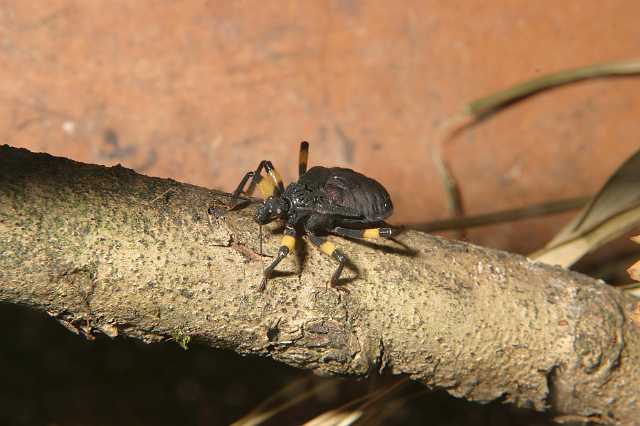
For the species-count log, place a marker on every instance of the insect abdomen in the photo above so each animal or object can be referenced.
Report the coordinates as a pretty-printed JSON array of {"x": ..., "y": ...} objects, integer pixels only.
[{"x": 359, "y": 193}]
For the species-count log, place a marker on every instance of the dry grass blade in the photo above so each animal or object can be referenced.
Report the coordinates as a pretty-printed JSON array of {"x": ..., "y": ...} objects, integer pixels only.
[
  {"x": 612, "y": 212},
  {"x": 335, "y": 418},
  {"x": 632, "y": 289},
  {"x": 347, "y": 414},
  {"x": 390, "y": 407},
  {"x": 634, "y": 272},
  {"x": 569, "y": 251},
  {"x": 446, "y": 133},
  {"x": 483, "y": 107},
  {"x": 292, "y": 394},
  {"x": 489, "y": 104},
  {"x": 548, "y": 208}
]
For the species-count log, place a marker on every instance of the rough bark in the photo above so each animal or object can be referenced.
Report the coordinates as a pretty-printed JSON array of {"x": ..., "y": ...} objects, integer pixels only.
[{"x": 108, "y": 250}]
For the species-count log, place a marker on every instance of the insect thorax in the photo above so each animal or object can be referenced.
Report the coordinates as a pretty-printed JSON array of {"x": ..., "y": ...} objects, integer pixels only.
[{"x": 299, "y": 196}]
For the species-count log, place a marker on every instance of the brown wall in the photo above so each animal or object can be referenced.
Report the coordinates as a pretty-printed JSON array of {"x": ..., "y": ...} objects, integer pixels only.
[{"x": 201, "y": 91}]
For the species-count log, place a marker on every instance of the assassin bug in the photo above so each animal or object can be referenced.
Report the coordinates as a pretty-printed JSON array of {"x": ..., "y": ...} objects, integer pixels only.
[{"x": 324, "y": 200}]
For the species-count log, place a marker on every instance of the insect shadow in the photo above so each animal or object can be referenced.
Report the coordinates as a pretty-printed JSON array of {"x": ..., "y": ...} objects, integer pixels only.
[
  {"x": 402, "y": 249},
  {"x": 302, "y": 253}
]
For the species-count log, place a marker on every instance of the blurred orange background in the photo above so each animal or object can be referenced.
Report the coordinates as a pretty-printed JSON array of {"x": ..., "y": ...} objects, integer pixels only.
[{"x": 202, "y": 91}]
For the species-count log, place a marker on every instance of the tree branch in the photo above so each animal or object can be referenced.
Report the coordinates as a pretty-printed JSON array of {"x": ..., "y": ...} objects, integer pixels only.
[{"x": 108, "y": 250}]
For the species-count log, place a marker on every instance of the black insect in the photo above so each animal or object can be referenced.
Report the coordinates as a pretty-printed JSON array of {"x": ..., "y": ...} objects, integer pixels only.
[{"x": 323, "y": 200}]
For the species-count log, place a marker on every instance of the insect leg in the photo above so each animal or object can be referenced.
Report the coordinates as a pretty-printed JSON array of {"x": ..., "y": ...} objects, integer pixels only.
[
  {"x": 287, "y": 245},
  {"x": 240, "y": 188},
  {"x": 328, "y": 248},
  {"x": 364, "y": 233},
  {"x": 303, "y": 158},
  {"x": 275, "y": 176},
  {"x": 267, "y": 187}
]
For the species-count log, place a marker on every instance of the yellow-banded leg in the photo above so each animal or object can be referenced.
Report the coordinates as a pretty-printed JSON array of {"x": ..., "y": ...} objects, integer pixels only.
[
  {"x": 268, "y": 188},
  {"x": 287, "y": 245},
  {"x": 303, "y": 158},
  {"x": 275, "y": 176},
  {"x": 370, "y": 233},
  {"x": 328, "y": 248}
]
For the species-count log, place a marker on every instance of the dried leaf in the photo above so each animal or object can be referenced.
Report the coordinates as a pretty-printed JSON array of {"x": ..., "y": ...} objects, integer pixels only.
[
  {"x": 634, "y": 271},
  {"x": 614, "y": 211}
]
